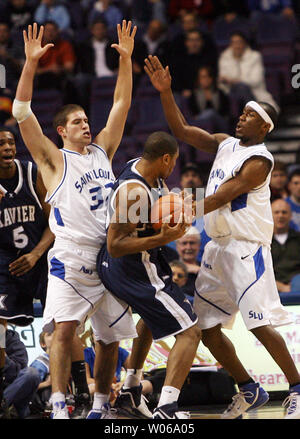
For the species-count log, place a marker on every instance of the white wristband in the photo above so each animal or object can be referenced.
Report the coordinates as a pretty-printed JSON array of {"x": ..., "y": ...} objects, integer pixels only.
[{"x": 21, "y": 110}]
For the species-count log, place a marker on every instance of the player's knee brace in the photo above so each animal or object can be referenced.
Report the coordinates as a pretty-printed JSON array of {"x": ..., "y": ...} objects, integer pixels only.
[
  {"x": 2, "y": 336},
  {"x": 21, "y": 110}
]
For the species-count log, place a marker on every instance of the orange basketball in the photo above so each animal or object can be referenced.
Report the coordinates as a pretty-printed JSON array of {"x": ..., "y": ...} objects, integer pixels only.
[{"x": 171, "y": 204}]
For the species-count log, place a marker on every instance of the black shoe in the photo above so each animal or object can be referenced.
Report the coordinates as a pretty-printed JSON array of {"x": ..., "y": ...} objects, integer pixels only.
[
  {"x": 82, "y": 406},
  {"x": 169, "y": 411},
  {"x": 130, "y": 402},
  {"x": 7, "y": 412}
]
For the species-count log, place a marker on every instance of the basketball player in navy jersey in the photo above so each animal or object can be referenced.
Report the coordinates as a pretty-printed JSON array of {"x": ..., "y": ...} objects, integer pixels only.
[
  {"x": 237, "y": 271},
  {"x": 25, "y": 238},
  {"x": 78, "y": 179},
  {"x": 132, "y": 265}
]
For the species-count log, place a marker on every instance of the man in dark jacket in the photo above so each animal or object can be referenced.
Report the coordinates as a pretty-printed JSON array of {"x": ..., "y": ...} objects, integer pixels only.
[{"x": 15, "y": 394}]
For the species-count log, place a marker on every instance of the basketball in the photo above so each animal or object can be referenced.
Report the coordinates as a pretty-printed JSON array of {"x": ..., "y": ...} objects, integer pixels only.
[{"x": 171, "y": 204}]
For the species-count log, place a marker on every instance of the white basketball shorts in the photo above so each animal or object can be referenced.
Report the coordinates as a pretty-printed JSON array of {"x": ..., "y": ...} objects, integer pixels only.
[
  {"x": 76, "y": 293},
  {"x": 237, "y": 276}
]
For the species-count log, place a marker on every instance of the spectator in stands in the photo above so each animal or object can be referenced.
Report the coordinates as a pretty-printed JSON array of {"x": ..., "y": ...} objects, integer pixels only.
[
  {"x": 189, "y": 21},
  {"x": 191, "y": 178},
  {"x": 180, "y": 277},
  {"x": 51, "y": 10},
  {"x": 143, "y": 11},
  {"x": 89, "y": 356},
  {"x": 21, "y": 382},
  {"x": 284, "y": 7},
  {"x": 95, "y": 56},
  {"x": 19, "y": 14},
  {"x": 184, "y": 69},
  {"x": 279, "y": 180},
  {"x": 153, "y": 42},
  {"x": 95, "y": 59},
  {"x": 188, "y": 247},
  {"x": 58, "y": 62},
  {"x": 294, "y": 198},
  {"x": 6, "y": 101},
  {"x": 285, "y": 246},
  {"x": 204, "y": 8},
  {"x": 104, "y": 9},
  {"x": 241, "y": 73},
  {"x": 209, "y": 101},
  {"x": 11, "y": 57}
]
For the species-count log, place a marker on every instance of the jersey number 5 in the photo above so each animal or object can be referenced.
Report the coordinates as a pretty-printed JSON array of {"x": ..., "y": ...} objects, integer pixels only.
[{"x": 20, "y": 239}]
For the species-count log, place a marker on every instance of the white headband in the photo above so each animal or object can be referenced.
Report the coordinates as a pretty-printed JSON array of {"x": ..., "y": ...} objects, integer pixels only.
[{"x": 261, "y": 112}]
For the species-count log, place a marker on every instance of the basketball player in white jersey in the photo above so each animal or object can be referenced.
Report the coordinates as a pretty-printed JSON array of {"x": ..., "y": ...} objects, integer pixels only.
[
  {"x": 78, "y": 179},
  {"x": 237, "y": 272}
]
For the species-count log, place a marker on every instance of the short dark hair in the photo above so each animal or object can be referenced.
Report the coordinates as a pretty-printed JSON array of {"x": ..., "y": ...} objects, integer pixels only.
[
  {"x": 158, "y": 144},
  {"x": 61, "y": 117},
  {"x": 270, "y": 110},
  {"x": 280, "y": 166},
  {"x": 4, "y": 129},
  {"x": 180, "y": 264},
  {"x": 240, "y": 34},
  {"x": 295, "y": 173}
]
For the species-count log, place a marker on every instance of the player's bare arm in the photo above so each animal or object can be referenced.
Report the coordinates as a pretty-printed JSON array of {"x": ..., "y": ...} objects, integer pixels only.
[
  {"x": 26, "y": 262},
  {"x": 110, "y": 137},
  {"x": 44, "y": 152},
  {"x": 161, "y": 80},
  {"x": 120, "y": 241},
  {"x": 252, "y": 174}
]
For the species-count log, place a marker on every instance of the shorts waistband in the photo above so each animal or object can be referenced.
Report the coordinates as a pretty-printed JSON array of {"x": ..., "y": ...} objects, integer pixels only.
[{"x": 63, "y": 243}]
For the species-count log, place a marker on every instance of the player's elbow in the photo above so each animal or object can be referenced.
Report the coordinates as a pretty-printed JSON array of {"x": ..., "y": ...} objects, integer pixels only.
[{"x": 114, "y": 248}]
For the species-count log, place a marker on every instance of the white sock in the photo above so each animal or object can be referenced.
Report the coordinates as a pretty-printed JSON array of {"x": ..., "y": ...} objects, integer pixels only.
[
  {"x": 168, "y": 395},
  {"x": 133, "y": 378},
  {"x": 100, "y": 399},
  {"x": 57, "y": 397}
]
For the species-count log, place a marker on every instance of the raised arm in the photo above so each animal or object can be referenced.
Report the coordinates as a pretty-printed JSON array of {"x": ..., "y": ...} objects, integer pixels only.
[
  {"x": 110, "y": 137},
  {"x": 44, "y": 152},
  {"x": 161, "y": 80}
]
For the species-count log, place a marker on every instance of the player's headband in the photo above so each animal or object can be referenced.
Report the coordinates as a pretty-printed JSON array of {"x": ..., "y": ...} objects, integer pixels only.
[{"x": 256, "y": 107}]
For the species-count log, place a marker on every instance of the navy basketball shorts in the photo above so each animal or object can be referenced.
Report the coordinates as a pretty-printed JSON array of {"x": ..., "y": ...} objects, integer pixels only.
[{"x": 160, "y": 303}]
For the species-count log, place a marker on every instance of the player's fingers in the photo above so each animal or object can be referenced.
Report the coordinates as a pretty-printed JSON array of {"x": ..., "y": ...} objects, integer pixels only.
[
  {"x": 149, "y": 65},
  {"x": 124, "y": 27},
  {"x": 167, "y": 70},
  {"x": 128, "y": 27},
  {"x": 157, "y": 63},
  {"x": 147, "y": 71},
  {"x": 41, "y": 33},
  {"x": 133, "y": 33},
  {"x": 119, "y": 31},
  {"x": 34, "y": 31},
  {"x": 30, "y": 32},
  {"x": 25, "y": 36}
]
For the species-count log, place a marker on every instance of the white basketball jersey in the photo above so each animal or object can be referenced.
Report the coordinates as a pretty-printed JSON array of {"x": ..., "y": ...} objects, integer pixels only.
[
  {"x": 249, "y": 216},
  {"x": 79, "y": 203}
]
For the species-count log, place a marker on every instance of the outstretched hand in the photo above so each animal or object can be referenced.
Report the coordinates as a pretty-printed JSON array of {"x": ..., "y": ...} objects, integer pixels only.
[
  {"x": 159, "y": 76},
  {"x": 33, "y": 43},
  {"x": 126, "y": 40}
]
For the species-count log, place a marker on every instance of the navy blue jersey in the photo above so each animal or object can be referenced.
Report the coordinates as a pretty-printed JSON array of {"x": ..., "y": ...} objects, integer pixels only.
[
  {"x": 22, "y": 223},
  {"x": 22, "y": 220},
  {"x": 144, "y": 280},
  {"x": 130, "y": 263}
]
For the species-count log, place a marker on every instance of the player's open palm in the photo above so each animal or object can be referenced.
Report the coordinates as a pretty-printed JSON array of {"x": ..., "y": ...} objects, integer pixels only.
[
  {"x": 33, "y": 43},
  {"x": 126, "y": 39},
  {"x": 159, "y": 76}
]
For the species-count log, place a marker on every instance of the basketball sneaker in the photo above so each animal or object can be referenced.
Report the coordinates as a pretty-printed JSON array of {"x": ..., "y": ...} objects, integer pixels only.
[
  {"x": 169, "y": 411},
  {"x": 106, "y": 412},
  {"x": 293, "y": 400},
  {"x": 131, "y": 402},
  {"x": 251, "y": 396},
  {"x": 60, "y": 411}
]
